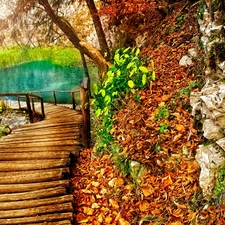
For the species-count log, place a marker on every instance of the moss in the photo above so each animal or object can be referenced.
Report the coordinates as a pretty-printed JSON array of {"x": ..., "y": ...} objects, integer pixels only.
[
  {"x": 217, "y": 53},
  {"x": 220, "y": 51}
]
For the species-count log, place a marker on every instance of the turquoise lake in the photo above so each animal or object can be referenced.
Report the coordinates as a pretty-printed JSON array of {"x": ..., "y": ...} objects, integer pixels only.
[{"x": 41, "y": 76}]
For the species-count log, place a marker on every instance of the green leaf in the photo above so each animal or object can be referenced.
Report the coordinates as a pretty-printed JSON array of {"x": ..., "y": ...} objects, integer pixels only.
[
  {"x": 143, "y": 69},
  {"x": 115, "y": 93},
  {"x": 102, "y": 92},
  {"x": 117, "y": 58},
  {"x": 137, "y": 52},
  {"x": 131, "y": 84},
  {"x": 153, "y": 64},
  {"x": 130, "y": 65},
  {"x": 107, "y": 99},
  {"x": 95, "y": 89},
  {"x": 126, "y": 50},
  {"x": 98, "y": 112},
  {"x": 144, "y": 79},
  {"x": 93, "y": 101},
  {"x": 132, "y": 72},
  {"x": 153, "y": 75},
  {"x": 118, "y": 73}
]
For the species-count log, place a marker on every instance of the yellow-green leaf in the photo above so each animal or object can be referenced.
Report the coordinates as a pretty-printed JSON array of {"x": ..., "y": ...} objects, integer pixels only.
[
  {"x": 153, "y": 75},
  {"x": 102, "y": 91},
  {"x": 95, "y": 89},
  {"x": 131, "y": 84},
  {"x": 137, "y": 52},
  {"x": 130, "y": 65},
  {"x": 144, "y": 79},
  {"x": 98, "y": 112},
  {"x": 117, "y": 58},
  {"x": 153, "y": 64},
  {"x": 143, "y": 69},
  {"x": 107, "y": 99}
]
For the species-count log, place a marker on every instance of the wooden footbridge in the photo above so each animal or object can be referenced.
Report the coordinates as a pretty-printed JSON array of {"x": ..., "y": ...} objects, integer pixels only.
[{"x": 35, "y": 168}]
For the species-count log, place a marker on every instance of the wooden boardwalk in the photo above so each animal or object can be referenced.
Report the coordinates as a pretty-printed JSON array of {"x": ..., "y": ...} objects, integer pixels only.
[{"x": 34, "y": 169}]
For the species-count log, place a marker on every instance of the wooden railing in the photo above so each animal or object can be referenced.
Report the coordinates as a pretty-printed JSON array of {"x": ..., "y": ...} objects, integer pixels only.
[
  {"x": 29, "y": 99},
  {"x": 84, "y": 97},
  {"x": 54, "y": 94}
]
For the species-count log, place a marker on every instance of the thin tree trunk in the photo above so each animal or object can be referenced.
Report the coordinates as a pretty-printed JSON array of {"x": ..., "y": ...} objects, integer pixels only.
[
  {"x": 99, "y": 30},
  {"x": 84, "y": 47}
]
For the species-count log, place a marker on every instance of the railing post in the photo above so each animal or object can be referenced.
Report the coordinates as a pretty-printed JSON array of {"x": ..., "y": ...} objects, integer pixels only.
[
  {"x": 73, "y": 100},
  {"x": 29, "y": 108},
  {"x": 54, "y": 95},
  {"x": 18, "y": 99},
  {"x": 84, "y": 96},
  {"x": 42, "y": 108}
]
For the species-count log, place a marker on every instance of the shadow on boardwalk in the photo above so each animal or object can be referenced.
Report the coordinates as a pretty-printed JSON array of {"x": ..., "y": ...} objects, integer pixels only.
[{"x": 34, "y": 169}]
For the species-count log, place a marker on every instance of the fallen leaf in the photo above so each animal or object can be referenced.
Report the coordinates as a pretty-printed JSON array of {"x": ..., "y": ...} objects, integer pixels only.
[
  {"x": 180, "y": 128},
  {"x": 108, "y": 219},
  {"x": 88, "y": 211},
  {"x": 144, "y": 205},
  {"x": 123, "y": 222},
  {"x": 83, "y": 221},
  {"x": 114, "y": 203},
  {"x": 147, "y": 190}
]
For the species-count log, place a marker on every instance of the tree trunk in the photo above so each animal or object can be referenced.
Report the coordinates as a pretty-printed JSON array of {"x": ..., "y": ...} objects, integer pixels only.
[
  {"x": 98, "y": 27},
  {"x": 68, "y": 30}
]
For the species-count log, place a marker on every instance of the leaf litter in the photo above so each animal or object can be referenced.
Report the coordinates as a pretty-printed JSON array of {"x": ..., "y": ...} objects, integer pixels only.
[{"x": 160, "y": 133}]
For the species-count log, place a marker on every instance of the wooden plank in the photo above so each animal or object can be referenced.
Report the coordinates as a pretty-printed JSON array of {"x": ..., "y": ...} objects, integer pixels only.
[
  {"x": 17, "y": 188},
  {"x": 12, "y": 205},
  {"x": 50, "y": 124},
  {"x": 40, "y": 218},
  {"x": 37, "y": 194},
  {"x": 40, "y": 144},
  {"x": 62, "y": 222},
  {"x": 30, "y": 148},
  {"x": 32, "y": 176},
  {"x": 32, "y": 139},
  {"x": 27, "y": 154},
  {"x": 33, "y": 164},
  {"x": 56, "y": 208},
  {"x": 44, "y": 131}
]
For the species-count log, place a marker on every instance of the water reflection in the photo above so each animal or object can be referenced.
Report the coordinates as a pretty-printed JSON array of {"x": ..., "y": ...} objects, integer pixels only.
[{"x": 40, "y": 76}]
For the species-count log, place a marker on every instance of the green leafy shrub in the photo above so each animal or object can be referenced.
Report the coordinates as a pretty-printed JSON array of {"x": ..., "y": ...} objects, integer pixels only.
[{"x": 124, "y": 77}]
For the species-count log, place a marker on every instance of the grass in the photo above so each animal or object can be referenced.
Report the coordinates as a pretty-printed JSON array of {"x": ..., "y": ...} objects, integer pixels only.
[{"x": 65, "y": 56}]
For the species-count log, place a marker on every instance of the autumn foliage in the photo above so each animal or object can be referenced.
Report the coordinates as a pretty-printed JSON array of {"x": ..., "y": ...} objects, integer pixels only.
[{"x": 154, "y": 128}]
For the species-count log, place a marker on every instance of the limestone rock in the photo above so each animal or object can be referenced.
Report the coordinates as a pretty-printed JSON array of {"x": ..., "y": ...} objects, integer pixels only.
[
  {"x": 192, "y": 53},
  {"x": 185, "y": 61},
  {"x": 221, "y": 143},
  {"x": 211, "y": 130},
  {"x": 208, "y": 157}
]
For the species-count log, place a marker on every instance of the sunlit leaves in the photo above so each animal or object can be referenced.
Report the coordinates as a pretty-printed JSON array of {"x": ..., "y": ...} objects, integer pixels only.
[
  {"x": 131, "y": 84},
  {"x": 144, "y": 79},
  {"x": 95, "y": 89},
  {"x": 143, "y": 69}
]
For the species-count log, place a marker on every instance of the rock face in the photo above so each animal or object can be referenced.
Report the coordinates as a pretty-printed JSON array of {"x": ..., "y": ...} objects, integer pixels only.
[{"x": 210, "y": 102}]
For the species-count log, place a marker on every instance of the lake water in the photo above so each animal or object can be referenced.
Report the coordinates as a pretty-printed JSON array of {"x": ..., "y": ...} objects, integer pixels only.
[{"x": 41, "y": 76}]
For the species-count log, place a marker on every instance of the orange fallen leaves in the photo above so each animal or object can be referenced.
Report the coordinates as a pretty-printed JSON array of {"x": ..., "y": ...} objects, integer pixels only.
[{"x": 169, "y": 191}]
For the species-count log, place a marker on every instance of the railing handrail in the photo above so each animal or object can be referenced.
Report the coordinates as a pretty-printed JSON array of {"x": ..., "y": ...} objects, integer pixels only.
[
  {"x": 66, "y": 91},
  {"x": 72, "y": 92},
  {"x": 11, "y": 94},
  {"x": 28, "y": 97}
]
